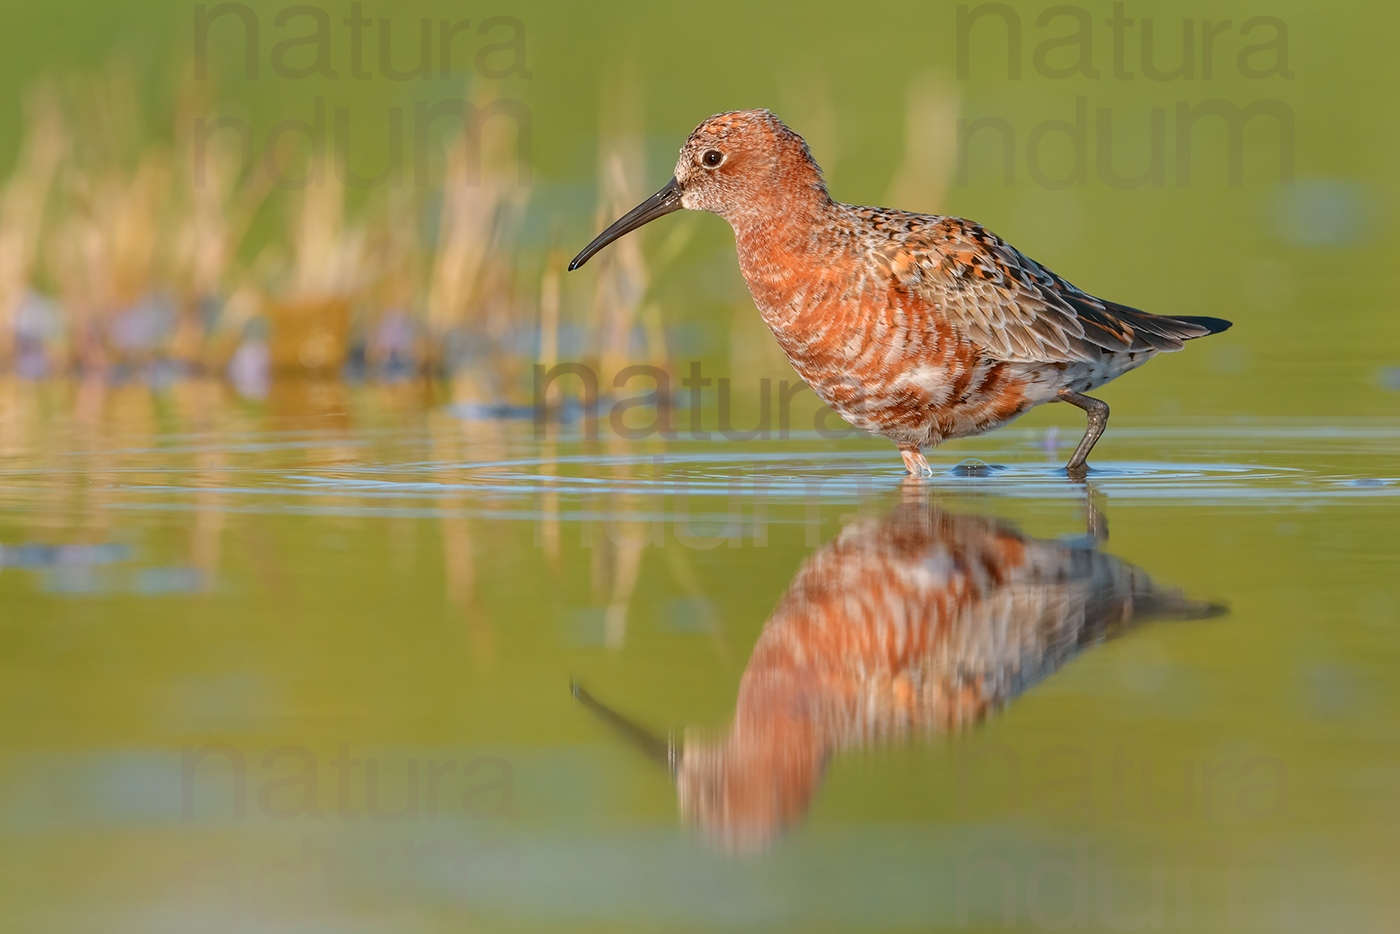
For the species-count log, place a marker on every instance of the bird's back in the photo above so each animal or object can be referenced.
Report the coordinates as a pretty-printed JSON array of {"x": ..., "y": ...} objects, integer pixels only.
[
  {"x": 925, "y": 327},
  {"x": 1010, "y": 305},
  {"x": 922, "y": 622},
  {"x": 928, "y": 621}
]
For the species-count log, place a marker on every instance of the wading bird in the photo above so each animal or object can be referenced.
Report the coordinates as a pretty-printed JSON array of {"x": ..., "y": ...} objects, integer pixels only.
[
  {"x": 919, "y": 623},
  {"x": 917, "y": 327}
]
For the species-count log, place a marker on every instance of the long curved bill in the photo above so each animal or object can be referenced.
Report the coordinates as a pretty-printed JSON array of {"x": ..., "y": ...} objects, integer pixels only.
[
  {"x": 652, "y": 746},
  {"x": 665, "y": 201}
]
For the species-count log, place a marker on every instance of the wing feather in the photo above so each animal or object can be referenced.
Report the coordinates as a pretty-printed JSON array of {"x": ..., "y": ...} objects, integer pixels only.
[{"x": 1012, "y": 306}]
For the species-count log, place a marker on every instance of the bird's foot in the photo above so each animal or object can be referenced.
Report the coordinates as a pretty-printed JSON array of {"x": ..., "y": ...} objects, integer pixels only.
[{"x": 914, "y": 462}]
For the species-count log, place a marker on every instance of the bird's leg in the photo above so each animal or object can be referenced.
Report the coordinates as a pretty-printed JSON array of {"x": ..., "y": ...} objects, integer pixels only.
[
  {"x": 1096, "y": 523},
  {"x": 1097, "y": 411},
  {"x": 914, "y": 462}
]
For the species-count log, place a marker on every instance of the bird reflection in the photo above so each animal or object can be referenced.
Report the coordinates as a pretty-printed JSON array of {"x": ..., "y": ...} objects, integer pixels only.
[{"x": 917, "y": 623}]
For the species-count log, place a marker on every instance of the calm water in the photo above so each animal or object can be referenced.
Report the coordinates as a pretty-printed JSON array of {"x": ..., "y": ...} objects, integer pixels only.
[{"x": 306, "y": 665}]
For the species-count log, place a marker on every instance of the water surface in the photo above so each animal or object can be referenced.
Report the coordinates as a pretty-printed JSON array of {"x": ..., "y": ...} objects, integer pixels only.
[{"x": 307, "y": 665}]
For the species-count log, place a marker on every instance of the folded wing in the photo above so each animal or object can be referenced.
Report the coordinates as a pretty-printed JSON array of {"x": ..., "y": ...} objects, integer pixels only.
[{"x": 1015, "y": 308}]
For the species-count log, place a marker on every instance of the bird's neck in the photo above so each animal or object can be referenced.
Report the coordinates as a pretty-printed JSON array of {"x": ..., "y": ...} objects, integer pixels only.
[{"x": 787, "y": 248}]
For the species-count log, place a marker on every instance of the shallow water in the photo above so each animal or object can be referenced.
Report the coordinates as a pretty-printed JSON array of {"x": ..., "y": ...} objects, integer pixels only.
[
  {"x": 304, "y": 663},
  {"x": 306, "y": 666}
]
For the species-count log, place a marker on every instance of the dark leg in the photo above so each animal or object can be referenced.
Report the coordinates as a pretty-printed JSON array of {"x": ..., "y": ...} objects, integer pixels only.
[
  {"x": 1097, "y": 411},
  {"x": 1096, "y": 523}
]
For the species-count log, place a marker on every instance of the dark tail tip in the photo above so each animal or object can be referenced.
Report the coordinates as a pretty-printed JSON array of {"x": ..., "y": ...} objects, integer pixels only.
[
  {"x": 1212, "y": 325},
  {"x": 1172, "y": 604},
  {"x": 1208, "y": 610}
]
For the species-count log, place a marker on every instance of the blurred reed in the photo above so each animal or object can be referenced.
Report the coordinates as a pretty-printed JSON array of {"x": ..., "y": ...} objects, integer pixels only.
[
  {"x": 142, "y": 250},
  {"x": 22, "y": 204},
  {"x": 930, "y": 151},
  {"x": 160, "y": 248}
]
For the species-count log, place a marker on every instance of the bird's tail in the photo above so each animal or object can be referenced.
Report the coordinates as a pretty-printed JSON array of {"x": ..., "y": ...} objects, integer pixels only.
[
  {"x": 1167, "y": 604},
  {"x": 1207, "y": 325},
  {"x": 1123, "y": 596},
  {"x": 1122, "y": 327},
  {"x": 1163, "y": 332}
]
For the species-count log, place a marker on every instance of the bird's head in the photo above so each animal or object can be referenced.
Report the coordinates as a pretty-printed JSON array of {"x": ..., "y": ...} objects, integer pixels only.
[
  {"x": 742, "y": 791},
  {"x": 741, "y": 165},
  {"x": 745, "y": 791}
]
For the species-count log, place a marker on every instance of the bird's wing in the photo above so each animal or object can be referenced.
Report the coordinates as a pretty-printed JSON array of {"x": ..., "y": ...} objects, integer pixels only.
[{"x": 1013, "y": 307}]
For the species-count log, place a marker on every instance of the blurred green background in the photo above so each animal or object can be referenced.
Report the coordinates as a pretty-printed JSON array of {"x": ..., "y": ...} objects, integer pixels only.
[
  {"x": 267, "y": 483},
  {"x": 879, "y": 97}
]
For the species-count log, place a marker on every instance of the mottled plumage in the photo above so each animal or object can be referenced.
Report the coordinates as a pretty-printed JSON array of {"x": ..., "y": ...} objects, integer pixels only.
[
  {"x": 919, "y": 623},
  {"x": 917, "y": 327}
]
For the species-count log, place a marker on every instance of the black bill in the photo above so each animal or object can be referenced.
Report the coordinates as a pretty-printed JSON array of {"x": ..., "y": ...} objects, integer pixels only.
[
  {"x": 665, "y": 201},
  {"x": 652, "y": 746}
]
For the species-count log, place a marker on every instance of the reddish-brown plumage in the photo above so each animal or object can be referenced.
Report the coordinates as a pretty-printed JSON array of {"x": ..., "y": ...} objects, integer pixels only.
[
  {"x": 920, "y": 623},
  {"x": 917, "y": 327}
]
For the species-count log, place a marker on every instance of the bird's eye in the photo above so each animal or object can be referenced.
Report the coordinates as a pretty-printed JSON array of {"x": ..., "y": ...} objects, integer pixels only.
[{"x": 712, "y": 158}]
